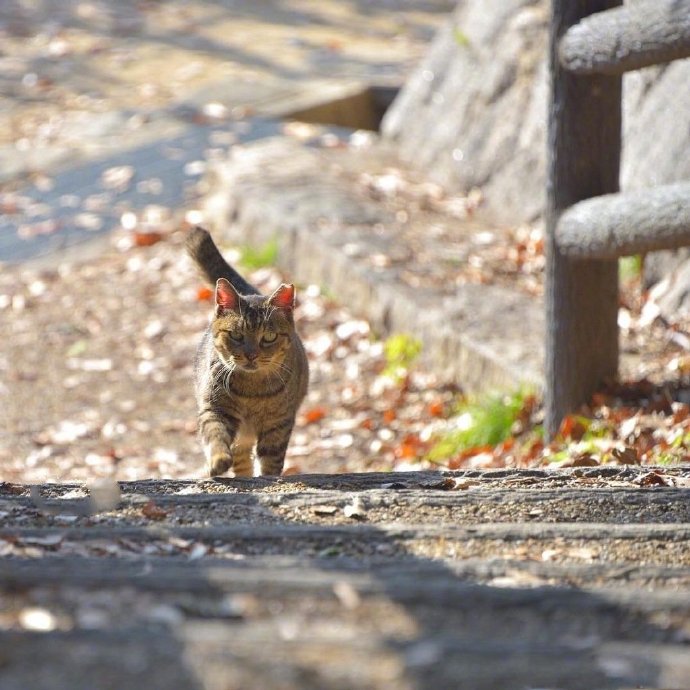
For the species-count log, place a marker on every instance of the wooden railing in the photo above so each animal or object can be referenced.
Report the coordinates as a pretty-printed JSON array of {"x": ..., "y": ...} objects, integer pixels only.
[{"x": 589, "y": 224}]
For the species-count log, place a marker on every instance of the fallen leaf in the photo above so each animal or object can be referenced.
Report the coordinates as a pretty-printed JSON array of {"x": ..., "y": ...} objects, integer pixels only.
[
  {"x": 572, "y": 427},
  {"x": 653, "y": 479},
  {"x": 118, "y": 177},
  {"x": 626, "y": 456},
  {"x": 581, "y": 460},
  {"x": 347, "y": 595},
  {"x": 462, "y": 483},
  {"x": 146, "y": 239},
  {"x": 315, "y": 414},
  {"x": 325, "y": 510},
  {"x": 153, "y": 511},
  {"x": 436, "y": 409},
  {"x": 442, "y": 484}
]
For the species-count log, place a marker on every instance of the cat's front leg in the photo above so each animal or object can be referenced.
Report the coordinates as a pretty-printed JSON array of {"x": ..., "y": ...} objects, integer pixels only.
[
  {"x": 272, "y": 444},
  {"x": 218, "y": 431}
]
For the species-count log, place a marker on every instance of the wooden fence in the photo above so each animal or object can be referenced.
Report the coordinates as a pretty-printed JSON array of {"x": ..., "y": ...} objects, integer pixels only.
[{"x": 589, "y": 224}]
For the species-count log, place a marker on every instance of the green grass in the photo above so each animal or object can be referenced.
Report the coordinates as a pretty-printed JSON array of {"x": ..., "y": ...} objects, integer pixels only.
[
  {"x": 259, "y": 257},
  {"x": 485, "y": 421},
  {"x": 401, "y": 350}
]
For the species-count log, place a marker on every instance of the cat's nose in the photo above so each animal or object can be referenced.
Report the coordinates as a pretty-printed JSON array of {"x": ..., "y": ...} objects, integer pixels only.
[{"x": 251, "y": 355}]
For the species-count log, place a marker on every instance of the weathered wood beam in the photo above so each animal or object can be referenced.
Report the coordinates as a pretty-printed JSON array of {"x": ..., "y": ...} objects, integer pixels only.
[
  {"x": 614, "y": 225},
  {"x": 581, "y": 297},
  {"x": 649, "y": 32}
]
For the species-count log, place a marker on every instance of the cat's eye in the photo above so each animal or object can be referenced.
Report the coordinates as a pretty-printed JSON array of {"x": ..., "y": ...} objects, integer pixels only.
[
  {"x": 268, "y": 338},
  {"x": 237, "y": 336}
]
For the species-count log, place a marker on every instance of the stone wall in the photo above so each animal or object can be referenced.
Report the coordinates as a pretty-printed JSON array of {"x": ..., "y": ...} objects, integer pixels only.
[{"x": 474, "y": 111}]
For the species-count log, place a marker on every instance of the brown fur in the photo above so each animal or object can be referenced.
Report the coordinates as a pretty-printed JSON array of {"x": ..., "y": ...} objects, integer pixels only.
[{"x": 251, "y": 369}]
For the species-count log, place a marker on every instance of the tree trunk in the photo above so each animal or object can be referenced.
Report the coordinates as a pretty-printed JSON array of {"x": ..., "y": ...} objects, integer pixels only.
[{"x": 584, "y": 143}]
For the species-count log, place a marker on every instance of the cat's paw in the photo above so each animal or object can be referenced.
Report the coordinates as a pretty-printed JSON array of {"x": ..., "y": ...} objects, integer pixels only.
[{"x": 218, "y": 464}]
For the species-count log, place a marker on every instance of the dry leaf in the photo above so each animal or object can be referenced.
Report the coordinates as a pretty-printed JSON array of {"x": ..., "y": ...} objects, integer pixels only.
[
  {"x": 654, "y": 479},
  {"x": 315, "y": 414},
  {"x": 626, "y": 456},
  {"x": 146, "y": 239},
  {"x": 153, "y": 511},
  {"x": 325, "y": 510},
  {"x": 347, "y": 595},
  {"x": 581, "y": 460}
]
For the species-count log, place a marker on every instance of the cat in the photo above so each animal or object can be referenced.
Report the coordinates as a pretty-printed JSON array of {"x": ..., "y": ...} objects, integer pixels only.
[{"x": 251, "y": 369}]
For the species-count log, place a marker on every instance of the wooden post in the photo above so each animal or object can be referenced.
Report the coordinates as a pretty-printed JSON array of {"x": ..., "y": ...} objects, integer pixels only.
[{"x": 584, "y": 142}]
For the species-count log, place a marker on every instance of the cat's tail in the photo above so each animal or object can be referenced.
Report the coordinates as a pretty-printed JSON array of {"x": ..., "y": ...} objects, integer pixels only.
[{"x": 203, "y": 251}]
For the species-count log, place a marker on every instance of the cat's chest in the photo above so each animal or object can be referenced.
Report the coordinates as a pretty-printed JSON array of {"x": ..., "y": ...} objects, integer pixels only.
[{"x": 254, "y": 403}]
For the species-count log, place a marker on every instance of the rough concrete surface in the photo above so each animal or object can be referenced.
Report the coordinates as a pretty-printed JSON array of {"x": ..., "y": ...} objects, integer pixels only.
[
  {"x": 474, "y": 111},
  {"x": 412, "y": 580}
]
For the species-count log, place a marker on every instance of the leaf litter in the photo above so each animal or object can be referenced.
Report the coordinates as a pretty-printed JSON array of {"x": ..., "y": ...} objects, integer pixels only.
[{"x": 110, "y": 344}]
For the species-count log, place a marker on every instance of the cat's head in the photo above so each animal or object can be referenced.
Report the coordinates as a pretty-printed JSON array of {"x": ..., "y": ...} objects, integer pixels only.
[{"x": 253, "y": 332}]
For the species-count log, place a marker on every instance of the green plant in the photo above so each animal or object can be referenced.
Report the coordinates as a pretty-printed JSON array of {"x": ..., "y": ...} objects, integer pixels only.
[
  {"x": 630, "y": 267},
  {"x": 259, "y": 257},
  {"x": 666, "y": 459},
  {"x": 401, "y": 350},
  {"x": 479, "y": 422},
  {"x": 461, "y": 38}
]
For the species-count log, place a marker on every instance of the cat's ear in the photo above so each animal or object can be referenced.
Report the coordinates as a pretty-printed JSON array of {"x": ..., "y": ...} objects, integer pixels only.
[
  {"x": 283, "y": 298},
  {"x": 227, "y": 298}
]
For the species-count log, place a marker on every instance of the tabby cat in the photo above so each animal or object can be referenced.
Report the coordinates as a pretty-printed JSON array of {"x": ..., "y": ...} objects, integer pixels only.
[{"x": 251, "y": 370}]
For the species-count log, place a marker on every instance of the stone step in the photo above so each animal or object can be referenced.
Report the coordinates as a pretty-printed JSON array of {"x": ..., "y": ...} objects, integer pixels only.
[
  {"x": 605, "y": 476},
  {"x": 408, "y": 577},
  {"x": 375, "y": 506},
  {"x": 214, "y": 656},
  {"x": 581, "y": 579},
  {"x": 401, "y": 533}
]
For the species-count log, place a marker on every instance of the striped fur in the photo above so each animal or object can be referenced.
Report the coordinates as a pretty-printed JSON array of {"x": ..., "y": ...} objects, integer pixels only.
[{"x": 251, "y": 370}]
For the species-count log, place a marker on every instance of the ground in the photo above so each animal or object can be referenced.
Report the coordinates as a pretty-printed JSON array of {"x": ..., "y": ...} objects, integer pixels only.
[{"x": 98, "y": 360}]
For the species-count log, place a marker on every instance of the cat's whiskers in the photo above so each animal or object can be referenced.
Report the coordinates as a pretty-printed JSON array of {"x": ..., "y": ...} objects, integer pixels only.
[
  {"x": 276, "y": 373},
  {"x": 283, "y": 367},
  {"x": 229, "y": 369}
]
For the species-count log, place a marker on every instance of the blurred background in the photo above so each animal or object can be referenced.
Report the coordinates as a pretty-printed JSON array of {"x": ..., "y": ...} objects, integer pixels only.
[{"x": 405, "y": 137}]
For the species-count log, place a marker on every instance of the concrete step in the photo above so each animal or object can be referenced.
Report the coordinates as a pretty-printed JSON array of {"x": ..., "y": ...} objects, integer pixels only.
[
  {"x": 213, "y": 656},
  {"x": 271, "y": 582}
]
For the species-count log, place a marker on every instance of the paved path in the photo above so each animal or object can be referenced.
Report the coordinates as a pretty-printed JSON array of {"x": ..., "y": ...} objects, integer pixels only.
[
  {"x": 86, "y": 87},
  {"x": 510, "y": 579}
]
